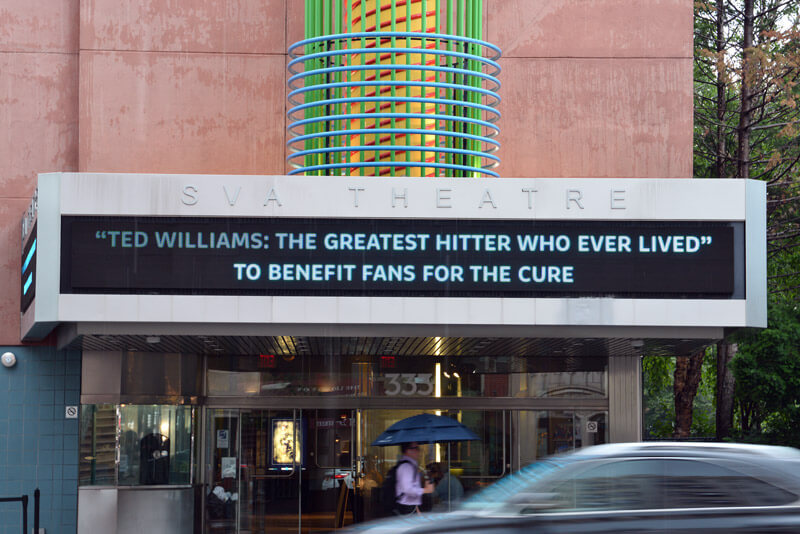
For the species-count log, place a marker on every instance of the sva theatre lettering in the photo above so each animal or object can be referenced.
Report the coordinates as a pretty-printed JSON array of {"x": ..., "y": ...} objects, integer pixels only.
[{"x": 442, "y": 197}]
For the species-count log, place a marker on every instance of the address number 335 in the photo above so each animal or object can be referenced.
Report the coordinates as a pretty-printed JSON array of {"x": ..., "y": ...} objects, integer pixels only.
[{"x": 408, "y": 384}]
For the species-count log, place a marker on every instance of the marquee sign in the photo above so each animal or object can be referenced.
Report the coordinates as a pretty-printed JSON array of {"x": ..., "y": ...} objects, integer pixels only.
[
  {"x": 348, "y": 255},
  {"x": 381, "y": 257}
]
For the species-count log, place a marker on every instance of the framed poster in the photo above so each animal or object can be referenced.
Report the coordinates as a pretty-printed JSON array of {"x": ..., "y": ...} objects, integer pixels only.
[{"x": 287, "y": 439}]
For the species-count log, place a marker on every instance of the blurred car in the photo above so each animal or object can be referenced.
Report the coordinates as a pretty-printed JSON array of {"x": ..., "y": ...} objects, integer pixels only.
[
  {"x": 637, "y": 487},
  {"x": 333, "y": 478},
  {"x": 328, "y": 478}
]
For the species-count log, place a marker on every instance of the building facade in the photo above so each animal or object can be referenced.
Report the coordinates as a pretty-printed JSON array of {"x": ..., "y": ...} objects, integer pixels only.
[{"x": 207, "y": 406}]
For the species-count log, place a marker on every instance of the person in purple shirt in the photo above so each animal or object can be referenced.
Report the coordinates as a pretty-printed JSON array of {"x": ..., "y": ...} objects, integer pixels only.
[{"x": 410, "y": 483}]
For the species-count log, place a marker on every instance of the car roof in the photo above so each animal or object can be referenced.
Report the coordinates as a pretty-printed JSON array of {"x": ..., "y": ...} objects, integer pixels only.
[{"x": 687, "y": 449}]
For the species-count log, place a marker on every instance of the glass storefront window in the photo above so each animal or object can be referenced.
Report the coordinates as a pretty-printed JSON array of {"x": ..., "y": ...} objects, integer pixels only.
[
  {"x": 544, "y": 433},
  {"x": 132, "y": 445},
  {"x": 409, "y": 376},
  {"x": 98, "y": 441}
]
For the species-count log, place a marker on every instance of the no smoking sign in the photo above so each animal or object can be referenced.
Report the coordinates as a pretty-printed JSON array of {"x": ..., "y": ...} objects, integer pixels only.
[{"x": 71, "y": 412}]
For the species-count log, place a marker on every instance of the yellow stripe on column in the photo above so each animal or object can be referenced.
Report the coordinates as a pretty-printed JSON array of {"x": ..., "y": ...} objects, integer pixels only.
[{"x": 408, "y": 18}]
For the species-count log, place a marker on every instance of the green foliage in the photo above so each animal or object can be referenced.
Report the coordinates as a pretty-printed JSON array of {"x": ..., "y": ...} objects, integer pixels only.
[
  {"x": 659, "y": 403},
  {"x": 767, "y": 371}
]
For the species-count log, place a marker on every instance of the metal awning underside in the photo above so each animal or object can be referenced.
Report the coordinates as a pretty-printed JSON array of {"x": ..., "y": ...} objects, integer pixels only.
[{"x": 385, "y": 346}]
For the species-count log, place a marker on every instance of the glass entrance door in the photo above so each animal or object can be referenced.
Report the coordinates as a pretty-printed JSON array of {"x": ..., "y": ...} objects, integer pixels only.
[{"x": 275, "y": 471}]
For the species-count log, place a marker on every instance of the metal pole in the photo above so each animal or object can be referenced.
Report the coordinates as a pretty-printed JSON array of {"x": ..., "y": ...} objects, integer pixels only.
[
  {"x": 24, "y": 514},
  {"x": 36, "y": 495},
  {"x": 449, "y": 477}
]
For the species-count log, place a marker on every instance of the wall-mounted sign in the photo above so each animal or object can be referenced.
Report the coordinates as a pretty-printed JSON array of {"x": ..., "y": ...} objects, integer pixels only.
[
  {"x": 228, "y": 467},
  {"x": 419, "y": 257},
  {"x": 223, "y": 439},
  {"x": 28, "y": 271}
]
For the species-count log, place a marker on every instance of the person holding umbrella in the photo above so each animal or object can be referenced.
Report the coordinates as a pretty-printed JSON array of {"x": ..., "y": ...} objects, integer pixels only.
[
  {"x": 408, "y": 433},
  {"x": 411, "y": 485}
]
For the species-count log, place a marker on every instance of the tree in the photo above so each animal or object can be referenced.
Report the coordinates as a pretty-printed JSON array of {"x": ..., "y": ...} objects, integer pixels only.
[
  {"x": 747, "y": 69},
  {"x": 659, "y": 398},
  {"x": 767, "y": 370}
]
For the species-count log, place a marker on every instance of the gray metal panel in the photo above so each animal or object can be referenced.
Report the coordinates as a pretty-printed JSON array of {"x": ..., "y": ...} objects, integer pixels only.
[
  {"x": 352, "y": 196},
  {"x": 97, "y": 510},
  {"x": 155, "y": 511},
  {"x": 101, "y": 373},
  {"x": 755, "y": 238},
  {"x": 625, "y": 398}
]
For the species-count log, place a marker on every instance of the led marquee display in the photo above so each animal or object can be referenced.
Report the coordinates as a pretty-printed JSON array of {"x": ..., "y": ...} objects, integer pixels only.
[{"x": 391, "y": 257}]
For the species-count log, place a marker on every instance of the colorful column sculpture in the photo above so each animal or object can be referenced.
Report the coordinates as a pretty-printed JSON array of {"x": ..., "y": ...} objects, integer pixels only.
[{"x": 393, "y": 88}]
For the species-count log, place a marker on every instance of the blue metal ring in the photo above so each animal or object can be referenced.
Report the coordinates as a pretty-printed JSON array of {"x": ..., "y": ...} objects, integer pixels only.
[
  {"x": 390, "y": 131},
  {"x": 435, "y": 85},
  {"x": 495, "y": 115},
  {"x": 374, "y": 51},
  {"x": 389, "y": 35},
  {"x": 398, "y": 148},
  {"x": 396, "y": 116},
  {"x": 452, "y": 70},
  {"x": 396, "y": 164}
]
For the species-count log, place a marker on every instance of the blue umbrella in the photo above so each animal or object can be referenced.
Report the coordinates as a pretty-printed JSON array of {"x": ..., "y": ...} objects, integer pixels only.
[{"x": 424, "y": 428}]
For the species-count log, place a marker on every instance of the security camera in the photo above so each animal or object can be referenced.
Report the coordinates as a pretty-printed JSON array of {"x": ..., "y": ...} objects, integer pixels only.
[{"x": 8, "y": 359}]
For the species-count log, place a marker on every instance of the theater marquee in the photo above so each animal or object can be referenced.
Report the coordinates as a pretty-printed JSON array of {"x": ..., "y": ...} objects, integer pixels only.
[{"x": 343, "y": 252}]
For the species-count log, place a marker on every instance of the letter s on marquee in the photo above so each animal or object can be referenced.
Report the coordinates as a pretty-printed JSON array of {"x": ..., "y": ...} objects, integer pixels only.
[{"x": 190, "y": 195}]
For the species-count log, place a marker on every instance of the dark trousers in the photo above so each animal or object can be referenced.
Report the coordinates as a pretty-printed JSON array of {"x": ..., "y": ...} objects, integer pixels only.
[{"x": 405, "y": 509}]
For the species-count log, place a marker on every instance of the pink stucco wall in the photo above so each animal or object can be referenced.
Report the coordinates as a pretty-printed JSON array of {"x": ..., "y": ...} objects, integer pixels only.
[
  {"x": 38, "y": 122},
  {"x": 590, "y": 88}
]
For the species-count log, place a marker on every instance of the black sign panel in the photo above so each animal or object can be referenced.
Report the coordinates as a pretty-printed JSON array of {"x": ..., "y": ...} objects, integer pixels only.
[
  {"x": 28, "y": 272},
  {"x": 482, "y": 258}
]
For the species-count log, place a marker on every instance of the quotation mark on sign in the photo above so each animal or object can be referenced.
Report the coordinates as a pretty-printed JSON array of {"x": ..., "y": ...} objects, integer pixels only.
[
  {"x": 100, "y": 234},
  {"x": 705, "y": 240}
]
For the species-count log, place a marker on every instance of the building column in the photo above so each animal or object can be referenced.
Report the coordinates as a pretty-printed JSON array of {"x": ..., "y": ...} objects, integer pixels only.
[{"x": 625, "y": 398}]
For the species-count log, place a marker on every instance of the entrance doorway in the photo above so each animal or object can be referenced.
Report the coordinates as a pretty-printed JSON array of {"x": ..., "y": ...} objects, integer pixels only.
[{"x": 306, "y": 470}]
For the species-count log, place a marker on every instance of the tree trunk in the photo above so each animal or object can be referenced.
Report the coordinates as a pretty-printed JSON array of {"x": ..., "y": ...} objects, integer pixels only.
[
  {"x": 688, "y": 371},
  {"x": 725, "y": 389},
  {"x": 721, "y": 82},
  {"x": 746, "y": 111}
]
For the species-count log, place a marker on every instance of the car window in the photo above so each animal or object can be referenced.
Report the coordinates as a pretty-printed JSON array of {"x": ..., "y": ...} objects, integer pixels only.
[
  {"x": 648, "y": 483},
  {"x": 619, "y": 485},
  {"x": 699, "y": 484}
]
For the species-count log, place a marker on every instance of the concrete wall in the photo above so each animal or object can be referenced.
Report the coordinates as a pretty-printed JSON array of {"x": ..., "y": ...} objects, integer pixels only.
[
  {"x": 595, "y": 88},
  {"x": 38, "y": 446},
  {"x": 591, "y": 88},
  {"x": 38, "y": 122}
]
